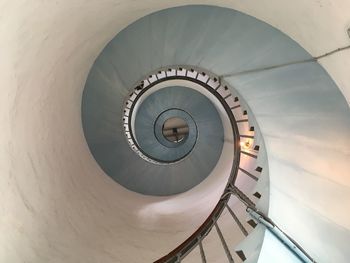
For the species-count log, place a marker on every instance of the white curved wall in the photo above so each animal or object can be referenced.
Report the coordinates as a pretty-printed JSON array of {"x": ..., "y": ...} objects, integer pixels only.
[{"x": 56, "y": 203}]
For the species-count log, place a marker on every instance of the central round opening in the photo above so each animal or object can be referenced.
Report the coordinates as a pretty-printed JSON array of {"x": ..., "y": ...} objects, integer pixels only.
[{"x": 175, "y": 129}]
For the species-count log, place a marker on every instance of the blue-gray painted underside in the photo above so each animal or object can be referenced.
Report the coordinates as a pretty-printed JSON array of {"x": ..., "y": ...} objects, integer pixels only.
[
  {"x": 199, "y": 108},
  {"x": 219, "y": 40}
]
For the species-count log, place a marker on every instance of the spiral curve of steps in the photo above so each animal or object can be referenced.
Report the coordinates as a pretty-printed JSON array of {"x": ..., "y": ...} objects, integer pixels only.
[{"x": 75, "y": 191}]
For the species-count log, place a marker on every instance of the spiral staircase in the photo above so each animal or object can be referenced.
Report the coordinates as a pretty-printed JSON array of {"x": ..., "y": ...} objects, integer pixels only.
[{"x": 91, "y": 174}]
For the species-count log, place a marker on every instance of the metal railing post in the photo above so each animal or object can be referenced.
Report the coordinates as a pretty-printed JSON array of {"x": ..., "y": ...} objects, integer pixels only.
[
  {"x": 223, "y": 242},
  {"x": 204, "y": 260},
  {"x": 240, "y": 225}
]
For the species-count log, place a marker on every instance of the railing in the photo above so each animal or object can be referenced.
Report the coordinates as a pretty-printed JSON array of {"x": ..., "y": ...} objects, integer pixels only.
[
  {"x": 201, "y": 77},
  {"x": 223, "y": 95},
  {"x": 196, "y": 238},
  {"x": 230, "y": 104}
]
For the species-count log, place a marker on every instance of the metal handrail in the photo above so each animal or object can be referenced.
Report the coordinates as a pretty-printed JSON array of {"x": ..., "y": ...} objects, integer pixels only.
[
  {"x": 259, "y": 216},
  {"x": 196, "y": 238}
]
